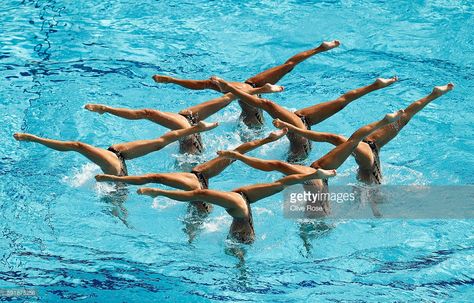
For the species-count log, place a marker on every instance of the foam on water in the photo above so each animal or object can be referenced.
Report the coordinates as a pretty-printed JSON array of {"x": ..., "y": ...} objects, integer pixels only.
[
  {"x": 217, "y": 224},
  {"x": 163, "y": 203},
  {"x": 83, "y": 176}
]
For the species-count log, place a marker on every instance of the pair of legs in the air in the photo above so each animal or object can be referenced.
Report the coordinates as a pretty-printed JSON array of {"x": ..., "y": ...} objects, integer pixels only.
[
  {"x": 111, "y": 160},
  {"x": 197, "y": 211},
  {"x": 332, "y": 160},
  {"x": 237, "y": 202},
  {"x": 185, "y": 118},
  {"x": 303, "y": 119},
  {"x": 190, "y": 181},
  {"x": 364, "y": 153},
  {"x": 252, "y": 116}
]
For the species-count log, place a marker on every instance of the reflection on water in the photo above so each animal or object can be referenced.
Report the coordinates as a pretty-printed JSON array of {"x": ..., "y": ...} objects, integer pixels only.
[
  {"x": 115, "y": 199},
  {"x": 310, "y": 231}
]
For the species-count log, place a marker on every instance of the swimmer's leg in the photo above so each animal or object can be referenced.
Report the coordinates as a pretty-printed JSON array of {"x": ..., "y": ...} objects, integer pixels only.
[
  {"x": 273, "y": 75},
  {"x": 260, "y": 191},
  {"x": 273, "y": 109},
  {"x": 334, "y": 158},
  {"x": 106, "y": 160},
  {"x": 387, "y": 133},
  {"x": 194, "y": 84},
  {"x": 140, "y": 148},
  {"x": 228, "y": 200},
  {"x": 204, "y": 110},
  {"x": 362, "y": 153},
  {"x": 320, "y": 112},
  {"x": 266, "y": 165},
  {"x": 215, "y": 166},
  {"x": 190, "y": 84},
  {"x": 166, "y": 119},
  {"x": 184, "y": 181}
]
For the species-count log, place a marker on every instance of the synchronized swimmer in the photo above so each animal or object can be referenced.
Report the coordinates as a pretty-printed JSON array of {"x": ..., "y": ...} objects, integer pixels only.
[{"x": 193, "y": 187}]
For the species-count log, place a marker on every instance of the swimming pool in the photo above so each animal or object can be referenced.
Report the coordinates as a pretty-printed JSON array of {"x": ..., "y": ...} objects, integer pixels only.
[{"x": 62, "y": 237}]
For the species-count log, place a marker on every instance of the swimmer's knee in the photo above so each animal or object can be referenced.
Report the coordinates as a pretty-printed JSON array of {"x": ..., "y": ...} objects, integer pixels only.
[
  {"x": 337, "y": 139},
  {"x": 208, "y": 84},
  {"x": 354, "y": 140},
  {"x": 146, "y": 113},
  {"x": 404, "y": 119},
  {"x": 279, "y": 165},
  {"x": 268, "y": 104},
  {"x": 290, "y": 64},
  {"x": 77, "y": 145},
  {"x": 342, "y": 101},
  {"x": 157, "y": 178},
  {"x": 161, "y": 142},
  {"x": 200, "y": 192}
]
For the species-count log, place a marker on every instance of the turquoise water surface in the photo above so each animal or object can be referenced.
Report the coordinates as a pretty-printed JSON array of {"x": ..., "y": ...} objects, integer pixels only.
[{"x": 62, "y": 234}]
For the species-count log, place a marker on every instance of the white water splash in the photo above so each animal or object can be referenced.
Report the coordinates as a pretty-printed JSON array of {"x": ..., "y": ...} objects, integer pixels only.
[
  {"x": 216, "y": 224},
  {"x": 104, "y": 188},
  {"x": 262, "y": 210},
  {"x": 82, "y": 176},
  {"x": 163, "y": 203}
]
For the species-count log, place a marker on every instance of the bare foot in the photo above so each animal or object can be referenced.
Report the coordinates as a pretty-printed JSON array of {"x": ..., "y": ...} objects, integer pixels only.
[
  {"x": 161, "y": 79},
  {"x": 281, "y": 124},
  {"x": 270, "y": 88},
  {"x": 330, "y": 45},
  {"x": 389, "y": 118},
  {"x": 97, "y": 108},
  {"x": 275, "y": 135},
  {"x": 441, "y": 90},
  {"x": 207, "y": 125},
  {"x": 105, "y": 177},
  {"x": 23, "y": 137},
  {"x": 382, "y": 82},
  {"x": 325, "y": 173},
  {"x": 231, "y": 154},
  {"x": 152, "y": 192},
  {"x": 221, "y": 83}
]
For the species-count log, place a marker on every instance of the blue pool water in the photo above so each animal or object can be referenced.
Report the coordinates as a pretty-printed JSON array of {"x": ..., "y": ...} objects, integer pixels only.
[{"x": 62, "y": 237}]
